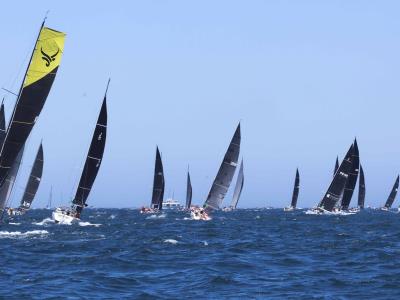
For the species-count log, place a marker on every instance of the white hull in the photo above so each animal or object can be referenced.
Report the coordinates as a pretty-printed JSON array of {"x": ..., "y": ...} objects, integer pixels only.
[
  {"x": 290, "y": 208},
  {"x": 61, "y": 216},
  {"x": 196, "y": 215}
]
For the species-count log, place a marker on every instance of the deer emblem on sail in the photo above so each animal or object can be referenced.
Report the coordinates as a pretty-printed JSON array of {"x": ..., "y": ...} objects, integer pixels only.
[{"x": 49, "y": 58}]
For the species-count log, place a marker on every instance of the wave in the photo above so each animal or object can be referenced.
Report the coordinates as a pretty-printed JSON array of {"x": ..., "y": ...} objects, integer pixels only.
[
  {"x": 84, "y": 224},
  {"x": 11, "y": 223},
  {"x": 162, "y": 216},
  {"x": 8, "y": 234},
  {"x": 171, "y": 241},
  {"x": 328, "y": 213},
  {"x": 44, "y": 222}
]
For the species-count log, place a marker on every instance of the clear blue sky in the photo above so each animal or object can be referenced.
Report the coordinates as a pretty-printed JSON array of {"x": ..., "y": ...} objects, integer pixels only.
[{"x": 305, "y": 78}]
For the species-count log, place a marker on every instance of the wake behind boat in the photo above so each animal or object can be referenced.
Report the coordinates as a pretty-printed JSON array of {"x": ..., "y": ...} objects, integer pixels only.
[{"x": 90, "y": 170}]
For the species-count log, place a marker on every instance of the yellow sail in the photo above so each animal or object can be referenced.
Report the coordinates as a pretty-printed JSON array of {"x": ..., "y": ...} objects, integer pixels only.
[{"x": 46, "y": 56}]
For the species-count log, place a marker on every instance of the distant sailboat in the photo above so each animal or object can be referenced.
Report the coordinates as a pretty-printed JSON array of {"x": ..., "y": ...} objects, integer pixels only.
[
  {"x": 295, "y": 194},
  {"x": 90, "y": 169},
  {"x": 50, "y": 200},
  {"x": 33, "y": 182},
  {"x": 238, "y": 187},
  {"x": 392, "y": 196},
  {"x": 158, "y": 183},
  {"x": 361, "y": 189},
  {"x": 188, "y": 191},
  {"x": 336, "y": 188},
  {"x": 352, "y": 179},
  {"x": 37, "y": 82},
  {"x": 223, "y": 179}
]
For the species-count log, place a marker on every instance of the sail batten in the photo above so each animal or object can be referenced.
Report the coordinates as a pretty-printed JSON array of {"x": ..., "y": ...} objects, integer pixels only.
[
  {"x": 158, "y": 183},
  {"x": 34, "y": 180},
  {"x": 238, "y": 187},
  {"x": 225, "y": 173}
]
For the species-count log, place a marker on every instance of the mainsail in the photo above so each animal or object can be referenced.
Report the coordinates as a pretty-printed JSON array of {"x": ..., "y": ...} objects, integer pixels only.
[
  {"x": 34, "y": 181},
  {"x": 361, "y": 189},
  {"x": 188, "y": 191},
  {"x": 238, "y": 187},
  {"x": 39, "y": 77},
  {"x": 352, "y": 179},
  {"x": 6, "y": 188},
  {"x": 393, "y": 194},
  {"x": 2, "y": 125},
  {"x": 225, "y": 173},
  {"x": 296, "y": 189},
  {"x": 336, "y": 187},
  {"x": 93, "y": 159},
  {"x": 158, "y": 183}
]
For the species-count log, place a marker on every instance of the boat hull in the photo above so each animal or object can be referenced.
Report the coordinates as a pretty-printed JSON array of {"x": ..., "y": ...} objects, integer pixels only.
[{"x": 61, "y": 216}]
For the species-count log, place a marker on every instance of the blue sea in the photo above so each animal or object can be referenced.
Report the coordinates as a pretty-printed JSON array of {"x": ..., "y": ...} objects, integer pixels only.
[{"x": 247, "y": 253}]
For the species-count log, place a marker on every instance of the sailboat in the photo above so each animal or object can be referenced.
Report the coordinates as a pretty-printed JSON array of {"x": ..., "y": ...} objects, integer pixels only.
[
  {"x": 90, "y": 169},
  {"x": 223, "y": 179},
  {"x": 35, "y": 88},
  {"x": 158, "y": 186},
  {"x": 361, "y": 189},
  {"x": 188, "y": 191},
  {"x": 32, "y": 185},
  {"x": 238, "y": 188},
  {"x": 392, "y": 196},
  {"x": 352, "y": 179},
  {"x": 49, "y": 202},
  {"x": 336, "y": 187},
  {"x": 295, "y": 195}
]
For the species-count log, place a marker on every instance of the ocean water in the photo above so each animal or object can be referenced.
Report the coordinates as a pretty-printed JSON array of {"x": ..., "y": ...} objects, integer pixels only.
[{"x": 258, "y": 254}]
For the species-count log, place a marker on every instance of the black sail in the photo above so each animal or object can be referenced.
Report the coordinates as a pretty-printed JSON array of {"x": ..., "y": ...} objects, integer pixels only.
[
  {"x": 39, "y": 78},
  {"x": 225, "y": 173},
  {"x": 238, "y": 187},
  {"x": 352, "y": 179},
  {"x": 158, "y": 183},
  {"x": 2, "y": 125},
  {"x": 336, "y": 166},
  {"x": 361, "y": 189},
  {"x": 188, "y": 191},
  {"x": 6, "y": 188},
  {"x": 33, "y": 181},
  {"x": 393, "y": 194},
  {"x": 332, "y": 195},
  {"x": 296, "y": 189},
  {"x": 93, "y": 159}
]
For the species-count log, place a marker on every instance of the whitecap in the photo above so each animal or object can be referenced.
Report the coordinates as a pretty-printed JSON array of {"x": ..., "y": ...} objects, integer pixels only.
[
  {"x": 11, "y": 223},
  {"x": 171, "y": 241},
  {"x": 8, "y": 234},
  {"x": 84, "y": 224},
  {"x": 43, "y": 222},
  {"x": 162, "y": 216},
  {"x": 205, "y": 243},
  {"x": 112, "y": 217}
]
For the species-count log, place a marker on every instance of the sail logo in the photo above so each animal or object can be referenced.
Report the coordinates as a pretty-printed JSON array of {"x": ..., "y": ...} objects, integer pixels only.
[
  {"x": 49, "y": 58},
  {"x": 100, "y": 136}
]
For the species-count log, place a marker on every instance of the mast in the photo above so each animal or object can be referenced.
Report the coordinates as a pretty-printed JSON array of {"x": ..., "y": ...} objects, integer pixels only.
[
  {"x": 338, "y": 183},
  {"x": 361, "y": 189},
  {"x": 50, "y": 198},
  {"x": 2, "y": 124},
  {"x": 188, "y": 191},
  {"x": 225, "y": 173},
  {"x": 33, "y": 181},
  {"x": 158, "y": 183},
  {"x": 93, "y": 158},
  {"x": 296, "y": 189},
  {"x": 393, "y": 194},
  {"x": 38, "y": 79},
  {"x": 238, "y": 187},
  {"x": 352, "y": 180}
]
